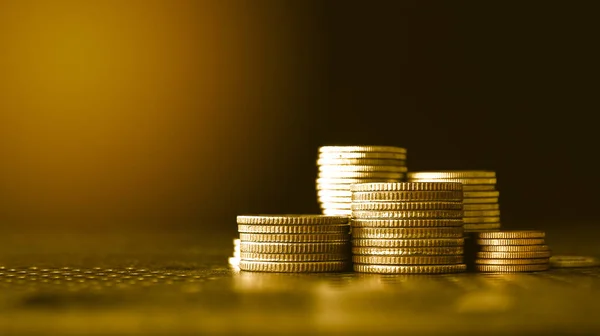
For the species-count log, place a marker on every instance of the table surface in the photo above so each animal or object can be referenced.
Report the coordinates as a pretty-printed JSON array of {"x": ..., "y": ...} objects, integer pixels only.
[{"x": 174, "y": 285}]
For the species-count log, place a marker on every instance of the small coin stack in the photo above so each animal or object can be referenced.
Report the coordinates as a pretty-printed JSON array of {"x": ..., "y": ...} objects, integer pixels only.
[
  {"x": 481, "y": 207},
  {"x": 235, "y": 260},
  {"x": 294, "y": 243},
  {"x": 341, "y": 166},
  {"x": 407, "y": 228},
  {"x": 513, "y": 251}
]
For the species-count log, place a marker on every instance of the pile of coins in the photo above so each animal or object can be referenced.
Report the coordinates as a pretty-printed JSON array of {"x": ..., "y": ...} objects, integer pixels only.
[
  {"x": 481, "y": 207},
  {"x": 234, "y": 261},
  {"x": 407, "y": 228},
  {"x": 341, "y": 166},
  {"x": 294, "y": 243},
  {"x": 512, "y": 251}
]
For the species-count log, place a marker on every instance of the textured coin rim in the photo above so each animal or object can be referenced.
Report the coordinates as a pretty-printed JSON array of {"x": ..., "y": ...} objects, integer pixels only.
[
  {"x": 514, "y": 248},
  {"x": 406, "y": 223},
  {"x": 409, "y": 251},
  {"x": 300, "y": 248},
  {"x": 410, "y": 269},
  {"x": 359, "y": 148},
  {"x": 362, "y": 169},
  {"x": 513, "y": 234},
  {"x": 291, "y": 219},
  {"x": 511, "y": 242},
  {"x": 477, "y": 181},
  {"x": 294, "y": 229},
  {"x": 407, "y": 186},
  {"x": 295, "y": 238},
  {"x": 293, "y": 267},
  {"x": 449, "y": 174},
  {"x": 391, "y": 196},
  {"x": 399, "y": 214},
  {"x": 407, "y": 260},
  {"x": 514, "y": 255},
  {"x": 294, "y": 257},
  {"x": 513, "y": 268},
  {"x": 361, "y": 162},
  {"x": 406, "y": 233},
  {"x": 481, "y": 213},
  {"x": 402, "y": 206},
  {"x": 581, "y": 262},
  {"x": 426, "y": 242},
  {"x": 362, "y": 155}
]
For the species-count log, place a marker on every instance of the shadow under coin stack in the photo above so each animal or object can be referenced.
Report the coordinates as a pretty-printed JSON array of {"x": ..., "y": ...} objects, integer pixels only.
[
  {"x": 481, "y": 207},
  {"x": 294, "y": 243},
  {"x": 341, "y": 166},
  {"x": 407, "y": 228},
  {"x": 513, "y": 251}
]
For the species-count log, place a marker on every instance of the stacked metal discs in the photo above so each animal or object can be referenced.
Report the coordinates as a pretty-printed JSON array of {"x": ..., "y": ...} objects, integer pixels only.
[
  {"x": 407, "y": 228},
  {"x": 512, "y": 251},
  {"x": 341, "y": 166},
  {"x": 481, "y": 207},
  {"x": 234, "y": 261},
  {"x": 294, "y": 243}
]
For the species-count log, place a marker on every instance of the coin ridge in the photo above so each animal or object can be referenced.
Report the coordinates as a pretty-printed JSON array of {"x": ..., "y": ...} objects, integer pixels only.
[
  {"x": 508, "y": 241},
  {"x": 514, "y": 248},
  {"x": 361, "y": 162},
  {"x": 478, "y": 181},
  {"x": 425, "y": 242},
  {"x": 406, "y": 233},
  {"x": 300, "y": 248},
  {"x": 305, "y": 237},
  {"x": 513, "y": 268},
  {"x": 514, "y": 255},
  {"x": 291, "y": 219},
  {"x": 409, "y": 251},
  {"x": 295, "y": 267},
  {"x": 294, "y": 257},
  {"x": 294, "y": 229},
  {"x": 390, "y": 196},
  {"x": 407, "y": 260},
  {"x": 407, "y": 186},
  {"x": 402, "y": 206},
  {"x": 362, "y": 169},
  {"x": 481, "y": 213},
  {"x": 513, "y": 234},
  {"x": 406, "y": 223},
  {"x": 362, "y": 155},
  {"x": 359, "y": 148},
  {"x": 410, "y": 269},
  {"x": 454, "y": 174},
  {"x": 408, "y": 214}
]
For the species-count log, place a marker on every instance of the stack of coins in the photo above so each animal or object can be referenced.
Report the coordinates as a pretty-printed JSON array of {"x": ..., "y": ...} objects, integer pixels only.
[
  {"x": 481, "y": 207},
  {"x": 235, "y": 260},
  {"x": 341, "y": 166},
  {"x": 294, "y": 243},
  {"x": 512, "y": 251},
  {"x": 404, "y": 228}
]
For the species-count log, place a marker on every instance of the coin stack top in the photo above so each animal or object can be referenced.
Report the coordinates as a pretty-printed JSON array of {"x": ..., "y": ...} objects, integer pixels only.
[
  {"x": 293, "y": 243},
  {"x": 410, "y": 228},
  {"x": 342, "y": 166},
  {"x": 481, "y": 207},
  {"x": 512, "y": 251}
]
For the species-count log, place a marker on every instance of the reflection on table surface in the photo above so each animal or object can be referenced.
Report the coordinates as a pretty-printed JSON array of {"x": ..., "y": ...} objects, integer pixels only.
[{"x": 192, "y": 291}]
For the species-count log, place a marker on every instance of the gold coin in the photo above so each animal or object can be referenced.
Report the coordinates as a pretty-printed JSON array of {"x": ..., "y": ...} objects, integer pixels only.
[
  {"x": 479, "y": 206},
  {"x": 406, "y": 233},
  {"x": 408, "y": 186},
  {"x": 512, "y": 261},
  {"x": 482, "y": 213},
  {"x": 339, "y": 206},
  {"x": 573, "y": 261},
  {"x": 390, "y": 196},
  {"x": 362, "y": 155},
  {"x": 512, "y": 268},
  {"x": 513, "y": 234},
  {"x": 403, "y": 206},
  {"x": 380, "y": 149},
  {"x": 335, "y": 200},
  {"x": 399, "y": 223},
  {"x": 477, "y": 181},
  {"x": 361, "y": 162},
  {"x": 482, "y": 226},
  {"x": 360, "y": 175},
  {"x": 480, "y": 194},
  {"x": 337, "y": 212},
  {"x": 361, "y": 169},
  {"x": 407, "y": 214},
  {"x": 410, "y": 251},
  {"x": 480, "y": 200},
  {"x": 514, "y": 248},
  {"x": 334, "y": 193},
  {"x": 479, "y": 187},
  {"x": 407, "y": 260},
  {"x": 435, "y": 242},
  {"x": 291, "y": 219},
  {"x": 293, "y": 267},
  {"x": 295, "y": 238},
  {"x": 514, "y": 255},
  {"x": 294, "y": 257},
  {"x": 410, "y": 269},
  {"x": 333, "y": 187},
  {"x": 294, "y": 229},
  {"x": 295, "y": 248},
  {"x": 452, "y": 174},
  {"x": 481, "y": 220},
  {"x": 322, "y": 180},
  {"x": 520, "y": 241}
]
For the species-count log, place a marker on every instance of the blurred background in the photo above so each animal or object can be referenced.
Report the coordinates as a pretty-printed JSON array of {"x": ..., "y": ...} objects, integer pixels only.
[{"x": 176, "y": 116}]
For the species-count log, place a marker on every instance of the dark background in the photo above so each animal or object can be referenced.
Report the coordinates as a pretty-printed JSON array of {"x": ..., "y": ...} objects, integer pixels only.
[{"x": 229, "y": 102}]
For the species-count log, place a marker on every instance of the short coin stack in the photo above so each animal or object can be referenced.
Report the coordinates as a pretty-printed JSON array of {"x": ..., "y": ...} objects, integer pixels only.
[
  {"x": 407, "y": 228},
  {"x": 341, "y": 166},
  {"x": 512, "y": 251},
  {"x": 234, "y": 261},
  {"x": 294, "y": 243},
  {"x": 481, "y": 207}
]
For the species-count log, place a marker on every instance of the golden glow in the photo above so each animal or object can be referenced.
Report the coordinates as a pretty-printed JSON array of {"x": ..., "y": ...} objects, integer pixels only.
[{"x": 109, "y": 107}]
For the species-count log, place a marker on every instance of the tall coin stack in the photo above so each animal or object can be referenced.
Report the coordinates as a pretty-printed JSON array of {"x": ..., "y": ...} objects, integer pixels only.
[
  {"x": 513, "y": 251},
  {"x": 294, "y": 243},
  {"x": 341, "y": 166},
  {"x": 407, "y": 228},
  {"x": 481, "y": 207}
]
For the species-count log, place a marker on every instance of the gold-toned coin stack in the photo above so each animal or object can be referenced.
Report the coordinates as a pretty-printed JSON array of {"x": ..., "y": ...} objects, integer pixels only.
[
  {"x": 513, "y": 251},
  {"x": 481, "y": 207},
  {"x": 294, "y": 243},
  {"x": 407, "y": 228},
  {"x": 234, "y": 261},
  {"x": 341, "y": 166}
]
